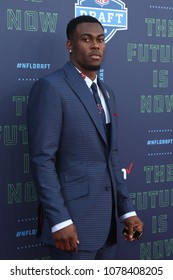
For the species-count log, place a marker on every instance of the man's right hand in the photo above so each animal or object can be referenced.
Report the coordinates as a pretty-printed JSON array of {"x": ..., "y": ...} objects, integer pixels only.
[{"x": 66, "y": 239}]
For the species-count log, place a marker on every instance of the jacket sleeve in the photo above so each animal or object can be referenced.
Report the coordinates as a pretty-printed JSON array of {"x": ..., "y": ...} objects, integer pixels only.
[
  {"x": 124, "y": 204},
  {"x": 44, "y": 119}
]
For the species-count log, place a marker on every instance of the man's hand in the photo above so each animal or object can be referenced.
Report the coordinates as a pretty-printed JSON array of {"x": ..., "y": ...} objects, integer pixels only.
[
  {"x": 132, "y": 224},
  {"x": 66, "y": 239}
]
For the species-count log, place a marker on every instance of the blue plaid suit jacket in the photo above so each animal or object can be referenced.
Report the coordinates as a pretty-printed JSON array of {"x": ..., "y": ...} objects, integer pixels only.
[{"x": 75, "y": 171}]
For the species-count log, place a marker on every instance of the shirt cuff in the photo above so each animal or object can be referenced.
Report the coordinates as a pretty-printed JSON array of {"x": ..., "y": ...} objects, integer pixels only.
[
  {"x": 61, "y": 225},
  {"x": 127, "y": 215}
]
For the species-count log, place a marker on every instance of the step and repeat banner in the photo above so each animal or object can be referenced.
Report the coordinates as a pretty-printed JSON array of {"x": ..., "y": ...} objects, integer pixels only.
[{"x": 138, "y": 67}]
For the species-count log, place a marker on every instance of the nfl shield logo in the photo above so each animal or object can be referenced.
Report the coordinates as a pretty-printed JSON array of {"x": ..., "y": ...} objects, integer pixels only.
[
  {"x": 102, "y": 2},
  {"x": 111, "y": 13}
]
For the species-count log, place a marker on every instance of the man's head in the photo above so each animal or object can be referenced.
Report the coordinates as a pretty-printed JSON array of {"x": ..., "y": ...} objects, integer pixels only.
[
  {"x": 71, "y": 26},
  {"x": 85, "y": 42}
]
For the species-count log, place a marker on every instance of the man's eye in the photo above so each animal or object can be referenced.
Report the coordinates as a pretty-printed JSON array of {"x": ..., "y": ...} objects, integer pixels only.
[
  {"x": 86, "y": 39},
  {"x": 101, "y": 40}
]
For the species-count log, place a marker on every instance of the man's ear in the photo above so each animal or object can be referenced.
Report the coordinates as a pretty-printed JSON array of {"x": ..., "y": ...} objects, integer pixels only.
[{"x": 69, "y": 45}]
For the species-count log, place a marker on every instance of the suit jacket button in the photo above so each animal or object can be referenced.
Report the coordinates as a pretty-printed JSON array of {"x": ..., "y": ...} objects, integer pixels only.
[{"x": 108, "y": 188}]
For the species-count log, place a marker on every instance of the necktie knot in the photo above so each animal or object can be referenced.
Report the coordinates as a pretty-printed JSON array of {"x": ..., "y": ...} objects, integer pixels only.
[{"x": 94, "y": 87}]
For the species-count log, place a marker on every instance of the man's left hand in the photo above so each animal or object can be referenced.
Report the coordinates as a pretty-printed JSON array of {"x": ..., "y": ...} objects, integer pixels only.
[{"x": 133, "y": 224}]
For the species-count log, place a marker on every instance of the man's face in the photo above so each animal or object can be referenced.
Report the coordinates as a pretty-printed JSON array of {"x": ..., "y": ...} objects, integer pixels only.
[{"x": 87, "y": 47}]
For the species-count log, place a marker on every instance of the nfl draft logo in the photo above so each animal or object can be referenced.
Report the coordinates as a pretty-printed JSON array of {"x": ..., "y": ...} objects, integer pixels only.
[
  {"x": 111, "y": 13},
  {"x": 102, "y": 2}
]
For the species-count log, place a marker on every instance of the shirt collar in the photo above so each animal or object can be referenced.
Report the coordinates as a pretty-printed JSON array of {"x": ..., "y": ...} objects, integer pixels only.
[
  {"x": 86, "y": 79},
  {"x": 89, "y": 81}
]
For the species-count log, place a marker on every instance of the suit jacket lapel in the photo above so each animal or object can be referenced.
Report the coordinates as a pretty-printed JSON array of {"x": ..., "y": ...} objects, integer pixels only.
[
  {"x": 80, "y": 88},
  {"x": 111, "y": 107}
]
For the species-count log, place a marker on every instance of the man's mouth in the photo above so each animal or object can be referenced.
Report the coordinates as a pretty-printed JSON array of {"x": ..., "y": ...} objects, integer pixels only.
[{"x": 95, "y": 55}]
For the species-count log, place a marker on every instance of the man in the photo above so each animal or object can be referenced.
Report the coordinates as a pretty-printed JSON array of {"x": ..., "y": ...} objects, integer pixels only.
[{"x": 74, "y": 154}]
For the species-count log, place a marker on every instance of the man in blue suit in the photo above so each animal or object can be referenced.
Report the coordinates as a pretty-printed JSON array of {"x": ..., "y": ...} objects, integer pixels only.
[{"x": 74, "y": 155}]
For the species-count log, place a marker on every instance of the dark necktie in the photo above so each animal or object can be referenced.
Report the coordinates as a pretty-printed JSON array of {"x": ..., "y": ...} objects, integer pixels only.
[{"x": 98, "y": 102}]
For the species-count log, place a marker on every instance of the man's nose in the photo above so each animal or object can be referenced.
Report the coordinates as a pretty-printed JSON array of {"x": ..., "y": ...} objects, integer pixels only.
[{"x": 95, "y": 44}]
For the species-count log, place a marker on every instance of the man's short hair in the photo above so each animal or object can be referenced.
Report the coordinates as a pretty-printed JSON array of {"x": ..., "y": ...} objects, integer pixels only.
[{"x": 71, "y": 26}]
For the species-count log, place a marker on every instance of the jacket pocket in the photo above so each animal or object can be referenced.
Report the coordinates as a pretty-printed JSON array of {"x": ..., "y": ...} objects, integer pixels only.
[
  {"x": 76, "y": 191},
  {"x": 75, "y": 172},
  {"x": 75, "y": 182}
]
